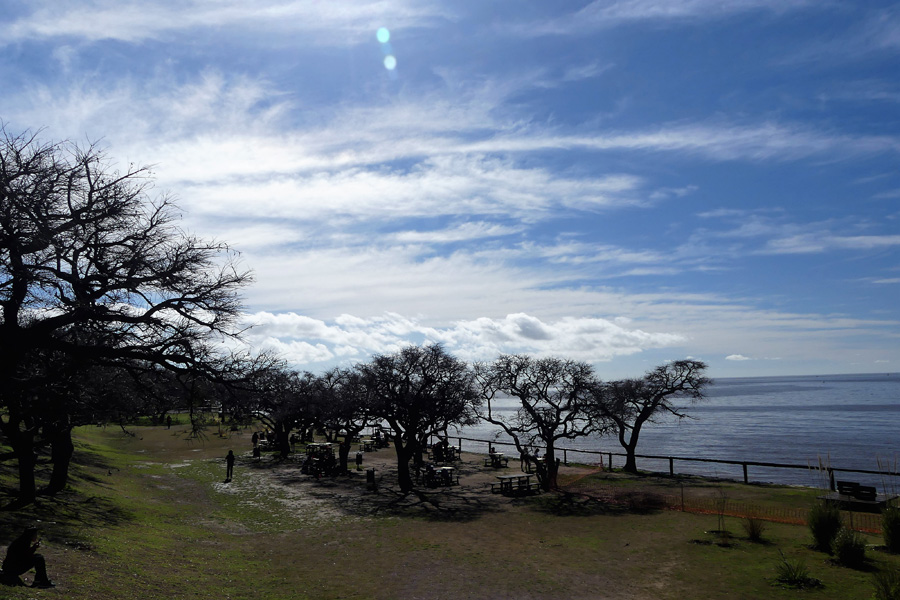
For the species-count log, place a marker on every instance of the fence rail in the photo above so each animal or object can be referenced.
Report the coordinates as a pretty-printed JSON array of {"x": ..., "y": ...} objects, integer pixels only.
[{"x": 744, "y": 464}]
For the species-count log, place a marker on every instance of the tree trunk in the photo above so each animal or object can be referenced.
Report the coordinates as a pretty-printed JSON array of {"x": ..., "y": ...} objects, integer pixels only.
[
  {"x": 27, "y": 487},
  {"x": 344, "y": 452},
  {"x": 630, "y": 462},
  {"x": 629, "y": 445},
  {"x": 61, "y": 451},
  {"x": 282, "y": 440},
  {"x": 404, "y": 454},
  {"x": 22, "y": 444},
  {"x": 552, "y": 471}
]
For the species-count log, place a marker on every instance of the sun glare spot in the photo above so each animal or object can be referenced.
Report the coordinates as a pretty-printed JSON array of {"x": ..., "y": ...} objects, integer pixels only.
[
  {"x": 390, "y": 63},
  {"x": 383, "y": 35}
]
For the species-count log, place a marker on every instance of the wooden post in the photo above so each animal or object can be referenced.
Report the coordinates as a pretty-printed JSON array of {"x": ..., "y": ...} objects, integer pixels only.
[
  {"x": 831, "y": 479},
  {"x": 671, "y": 467},
  {"x": 745, "y": 472},
  {"x": 565, "y": 457},
  {"x": 610, "y": 461}
]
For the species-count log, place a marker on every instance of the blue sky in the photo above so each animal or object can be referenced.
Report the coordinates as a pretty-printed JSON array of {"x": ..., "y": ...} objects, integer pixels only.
[{"x": 623, "y": 183}]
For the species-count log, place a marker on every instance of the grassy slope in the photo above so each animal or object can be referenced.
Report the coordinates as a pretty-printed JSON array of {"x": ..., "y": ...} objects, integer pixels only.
[{"x": 149, "y": 517}]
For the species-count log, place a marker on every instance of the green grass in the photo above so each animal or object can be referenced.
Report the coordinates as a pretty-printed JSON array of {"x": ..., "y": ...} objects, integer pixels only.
[{"x": 148, "y": 517}]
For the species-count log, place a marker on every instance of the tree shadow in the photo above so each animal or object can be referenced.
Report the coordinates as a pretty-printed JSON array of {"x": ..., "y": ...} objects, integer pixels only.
[
  {"x": 574, "y": 505},
  {"x": 64, "y": 516}
]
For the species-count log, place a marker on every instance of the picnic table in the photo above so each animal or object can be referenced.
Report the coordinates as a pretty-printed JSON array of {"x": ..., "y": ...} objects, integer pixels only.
[
  {"x": 440, "y": 476},
  {"x": 509, "y": 485},
  {"x": 319, "y": 448},
  {"x": 496, "y": 460},
  {"x": 861, "y": 498},
  {"x": 368, "y": 445}
]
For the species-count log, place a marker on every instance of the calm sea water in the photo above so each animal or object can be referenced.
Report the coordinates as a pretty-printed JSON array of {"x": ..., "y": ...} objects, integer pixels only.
[{"x": 847, "y": 421}]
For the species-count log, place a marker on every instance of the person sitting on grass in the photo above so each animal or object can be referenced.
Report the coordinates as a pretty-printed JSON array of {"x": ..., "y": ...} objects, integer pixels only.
[{"x": 21, "y": 557}]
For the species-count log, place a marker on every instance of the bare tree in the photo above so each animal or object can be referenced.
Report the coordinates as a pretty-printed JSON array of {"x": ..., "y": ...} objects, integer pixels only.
[
  {"x": 346, "y": 407},
  {"x": 553, "y": 399},
  {"x": 92, "y": 267},
  {"x": 419, "y": 391},
  {"x": 630, "y": 403}
]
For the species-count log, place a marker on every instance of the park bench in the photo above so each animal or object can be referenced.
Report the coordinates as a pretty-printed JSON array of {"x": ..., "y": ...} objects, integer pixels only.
[{"x": 853, "y": 496}]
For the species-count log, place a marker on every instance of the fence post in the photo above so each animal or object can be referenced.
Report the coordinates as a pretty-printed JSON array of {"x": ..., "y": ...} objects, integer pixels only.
[
  {"x": 565, "y": 457},
  {"x": 831, "y": 478},
  {"x": 745, "y": 472},
  {"x": 671, "y": 467},
  {"x": 610, "y": 461}
]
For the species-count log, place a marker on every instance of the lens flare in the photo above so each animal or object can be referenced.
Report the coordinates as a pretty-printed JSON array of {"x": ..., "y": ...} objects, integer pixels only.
[
  {"x": 390, "y": 63},
  {"x": 383, "y": 35}
]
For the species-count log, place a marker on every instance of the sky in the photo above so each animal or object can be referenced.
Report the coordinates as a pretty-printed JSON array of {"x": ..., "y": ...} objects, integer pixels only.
[{"x": 618, "y": 182}]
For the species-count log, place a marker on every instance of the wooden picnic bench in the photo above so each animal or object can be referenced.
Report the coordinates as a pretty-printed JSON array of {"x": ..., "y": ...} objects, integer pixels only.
[
  {"x": 496, "y": 460},
  {"x": 861, "y": 498}
]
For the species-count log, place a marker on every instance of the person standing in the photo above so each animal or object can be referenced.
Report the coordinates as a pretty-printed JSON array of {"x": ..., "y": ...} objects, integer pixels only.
[
  {"x": 359, "y": 457},
  {"x": 229, "y": 465},
  {"x": 21, "y": 557}
]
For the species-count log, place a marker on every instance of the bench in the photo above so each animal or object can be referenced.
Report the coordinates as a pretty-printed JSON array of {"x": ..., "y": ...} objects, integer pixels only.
[
  {"x": 853, "y": 496},
  {"x": 533, "y": 488},
  {"x": 490, "y": 461}
]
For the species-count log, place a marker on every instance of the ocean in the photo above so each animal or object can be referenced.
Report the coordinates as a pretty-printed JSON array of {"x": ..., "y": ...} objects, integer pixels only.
[{"x": 845, "y": 421}]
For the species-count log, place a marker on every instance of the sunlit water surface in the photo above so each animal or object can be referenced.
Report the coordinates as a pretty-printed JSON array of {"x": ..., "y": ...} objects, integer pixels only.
[{"x": 847, "y": 421}]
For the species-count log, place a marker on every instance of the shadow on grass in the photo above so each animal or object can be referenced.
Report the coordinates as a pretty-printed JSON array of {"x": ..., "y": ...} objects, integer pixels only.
[
  {"x": 64, "y": 516},
  {"x": 451, "y": 504},
  {"x": 351, "y": 494},
  {"x": 574, "y": 505}
]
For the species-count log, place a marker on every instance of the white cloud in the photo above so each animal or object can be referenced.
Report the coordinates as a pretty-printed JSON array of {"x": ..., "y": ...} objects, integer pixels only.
[
  {"x": 809, "y": 243},
  {"x": 305, "y": 340},
  {"x": 462, "y": 232},
  {"x": 337, "y": 22},
  {"x": 737, "y": 357},
  {"x": 601, "y": 14}
]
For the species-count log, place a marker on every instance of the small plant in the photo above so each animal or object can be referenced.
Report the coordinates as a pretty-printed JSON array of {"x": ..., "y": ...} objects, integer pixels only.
[
  {"x": 754, "y": 528},
  {"x": 890, "y": 528},
  {"x": 824, "y": 522},
  {"x": 887, "y": 585},
  {"x": 849, "y": 548},
  {"x": 794, "y": 574},
  {"x": 643, "y": 502}
]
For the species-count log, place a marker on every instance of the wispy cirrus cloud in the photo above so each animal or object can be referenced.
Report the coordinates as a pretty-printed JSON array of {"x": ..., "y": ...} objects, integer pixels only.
[
  {"x": 338, "y": 22},
  {"x": 603, "y": 14},
  {"x": 810, "y": 243}
]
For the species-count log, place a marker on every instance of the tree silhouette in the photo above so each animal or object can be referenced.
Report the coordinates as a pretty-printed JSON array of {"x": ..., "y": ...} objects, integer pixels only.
[{"x": 95, "y": 269}]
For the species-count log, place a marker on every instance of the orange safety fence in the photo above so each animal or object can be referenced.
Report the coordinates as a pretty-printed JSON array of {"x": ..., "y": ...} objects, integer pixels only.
[{"x": 649, "y": 498}]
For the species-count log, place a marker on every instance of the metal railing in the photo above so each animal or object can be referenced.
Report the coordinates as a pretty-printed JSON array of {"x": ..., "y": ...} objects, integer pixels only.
[{"x": 745, "y": 465}]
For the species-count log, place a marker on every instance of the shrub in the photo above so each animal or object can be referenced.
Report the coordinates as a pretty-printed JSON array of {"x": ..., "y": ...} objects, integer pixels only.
[
  {"x": 642, "y": 502},
  {"x": 824, "y": 522},
  {"x": 794, "y": 574},
  {"x": 887, "y": 585},
  {"x": 890, "y": 528},
  {"x": 849, "y": 548},
  {"x": 754, "y": 528}
]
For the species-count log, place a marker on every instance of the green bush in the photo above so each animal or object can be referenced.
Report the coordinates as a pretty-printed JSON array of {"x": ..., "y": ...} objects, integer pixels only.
[
  {"x": 887, "y": 585},
  {"x": 754, "y": 528},
  {"x": 890, "y": 528},
  {"x": 824, "y": 522},
  {"x": 794, "y": 574},
  {"x": 849, "y": 548}
]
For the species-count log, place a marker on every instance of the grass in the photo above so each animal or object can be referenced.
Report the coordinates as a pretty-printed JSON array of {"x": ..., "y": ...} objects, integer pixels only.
[{"x": 149, "y": 517}]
